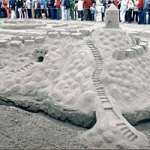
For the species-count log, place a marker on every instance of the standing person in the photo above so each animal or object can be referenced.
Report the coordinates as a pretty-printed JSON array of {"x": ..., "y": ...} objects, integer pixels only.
[
  {"x": 62, "y": 10},
  {"x": 48, "y": 7},
  {"x": 148, "y": 11},
  {"x": 72, "y": 7},
  {"x": 118, "y": 6},
  {"x": 145, "y": 9},
  {"x": 135, "y": 11},
  {"x": 28, "y": 4},
  {"x": 92, "y": 10},
  {"x": 25, "y": 10},
  {"x": 140, "y": 11},
  {"x": 67, "y": 9},
  {"x": 57, "y": 9},
  {"x": 43, "y": 8},
  {"x": 129, "y": 11},
  {"x": 86, "y": 6},
  {"x": 19, "y": 4},
  {"x": 80, "y": 10},
  {"x": 99, "y": 10},
  {"x": 123, "y": 10},
  {"x": 12, "y": 9},
  {"x": 52, "y": 7},
  {"x": 7, "y": 7}
]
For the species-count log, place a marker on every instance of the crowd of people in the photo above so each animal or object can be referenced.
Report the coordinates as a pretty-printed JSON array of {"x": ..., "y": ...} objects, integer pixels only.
[{"x": 88, "y": 10}]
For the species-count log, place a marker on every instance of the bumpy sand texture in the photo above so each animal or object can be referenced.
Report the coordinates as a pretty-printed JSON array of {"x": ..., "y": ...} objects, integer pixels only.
[
  {"x": 72, "y": 83},
  {"x": 27, "y": 130}
]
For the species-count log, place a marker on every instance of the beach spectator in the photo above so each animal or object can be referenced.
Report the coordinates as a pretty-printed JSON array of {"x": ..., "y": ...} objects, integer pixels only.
[
  {"x": 43, "y": 8},
  {"x": 119, "y": 6},
  {"x": 7, "y": 7},
  {"x": 129, "y": 10},
  {"x": 48, "y": 7},
  {"x": 12, "y": 9},
  {"x": 80, "y": 10},
  {"x": 52, "y": 9},
  {"x": 135, "y": 11},
  {"x": 62, "y": 10},
  {"x": 72, "y": 7},
  {"x": 29, "y": 6},
  {"x": 25, "y": 10},
  {"x": 148, "y": 11},
  {"x": 2, "y": 10},
  {"x": 57, "y": 9},
  {"x": 92, "y": 10},
  {"x": 140, "y": 11},
  {"x": 67, "y": 9},
  {"x": 123, "y": 10},
  {"x": 145, "y": 9},
  {"x": 99, "y": 10},
  {"x": 86, "y": 6},
  {"x": 19, "y": 4}
]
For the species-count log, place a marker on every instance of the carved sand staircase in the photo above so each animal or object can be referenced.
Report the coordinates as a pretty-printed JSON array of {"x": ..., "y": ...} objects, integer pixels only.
[
  {"x": 108, "y": 108},
  {"x": 23, "y": 68}
]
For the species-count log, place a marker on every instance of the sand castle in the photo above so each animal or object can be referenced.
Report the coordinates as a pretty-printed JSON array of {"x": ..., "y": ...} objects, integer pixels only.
[{"x": 77, "y": 73}]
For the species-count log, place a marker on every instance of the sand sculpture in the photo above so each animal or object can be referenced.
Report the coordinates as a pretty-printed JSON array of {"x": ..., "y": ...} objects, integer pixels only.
[{"x": 79, "y": 75}]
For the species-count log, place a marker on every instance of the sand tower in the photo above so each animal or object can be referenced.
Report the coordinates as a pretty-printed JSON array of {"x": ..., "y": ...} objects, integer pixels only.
[{"x": 112, "y": 17}]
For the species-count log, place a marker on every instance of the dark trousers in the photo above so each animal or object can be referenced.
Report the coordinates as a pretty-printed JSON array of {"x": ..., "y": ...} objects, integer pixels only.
[
  {"x": 135, "y": 16},
  {"x": 129, "y": 15},
  {"x": 144, "y": 16},
  {"x": 140, "y": 12},
  {"x": 52, "y": 9},
  {"x": 86, "y": 14},
  {"x": 92, "y": 16},
  {"x": 80, "y": 14},
  {"x": 58, "y": 13},
  {"x": 29, "y": 13},
  {"x": 148, "y": 16},
  {"x": 49, "y": 13}
]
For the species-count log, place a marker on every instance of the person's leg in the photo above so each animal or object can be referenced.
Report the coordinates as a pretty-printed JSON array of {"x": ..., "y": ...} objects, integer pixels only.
[
  {"x": 140, "y": 15},
  {"x": 148, "y": 16},
  {"x": 52, "y": 12},
  {"x": 144, "y": 16},
  {"x": 136, "y": 16},
  {"x": 62, "y": 12}
]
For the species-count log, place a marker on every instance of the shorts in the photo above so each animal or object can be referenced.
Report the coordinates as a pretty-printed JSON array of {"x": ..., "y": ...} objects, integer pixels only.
[{"x": 19, "y": 9}]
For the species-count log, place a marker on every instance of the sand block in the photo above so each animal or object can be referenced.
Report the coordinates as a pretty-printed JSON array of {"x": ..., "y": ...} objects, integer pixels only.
[
  {"x": 6, "y": 38},
  {"x": 84, "y": 32},
  {"x": 15, "y": 43},
  {"x": 145, "y": 34},
  {"x": 139, "y": 49},
  {"x": 52, "y": 34},
  {"x": 64, "y": 34},
  {"x": 39, "y": 39},
  {"x": 130, "y": 53},
  {"x": 3, "y": 43},
  {"x": 137, "y": 39},
  {"x": 119, "y": 55},
  {"x": 15, "y": 38},
  {"x": 29, "y": 42},
  {"x": 144, "y": 44},
  {"x": 76, "y": 35},
  {"x": 72, "y": 31}
]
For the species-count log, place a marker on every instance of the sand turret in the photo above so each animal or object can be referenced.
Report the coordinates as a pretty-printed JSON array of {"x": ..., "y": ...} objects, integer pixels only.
[{"x": 112, "y": 17}]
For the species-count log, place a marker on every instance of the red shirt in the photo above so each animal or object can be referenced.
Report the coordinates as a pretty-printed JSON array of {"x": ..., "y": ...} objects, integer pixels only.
[{"x": 140, "y": 3}]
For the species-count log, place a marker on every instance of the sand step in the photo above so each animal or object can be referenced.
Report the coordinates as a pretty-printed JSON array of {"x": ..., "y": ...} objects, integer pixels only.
[
  {"x": 103, "y": 97},
  {"x": 134, "y": 137},
  {"x": 96, "y": 79},
  {"x": 104, "y": 100},
  {"x": 107, "y": 106},
  {"x": 126, "y": 131},
  {"x": 99, "y": 87}
]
